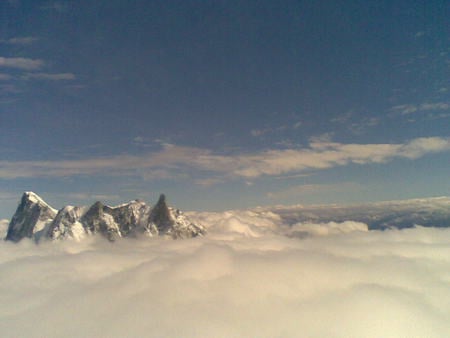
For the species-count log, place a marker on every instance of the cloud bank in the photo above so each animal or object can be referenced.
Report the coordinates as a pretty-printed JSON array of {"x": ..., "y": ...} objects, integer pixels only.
[
  {"x": 232, "y": 283},
  {"x": 173, "y": 161}
]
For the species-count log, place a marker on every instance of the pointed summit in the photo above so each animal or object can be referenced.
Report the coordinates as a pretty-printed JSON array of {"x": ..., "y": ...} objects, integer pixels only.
[
  {"x": 160, "y": 215},
  {"x": 35, "y": 219},
  {"x": 32, "y": 217},
  {"x": 32, "y": 197},
  {"x": 162, "y": 199},
  {"x": 172, "y": 222}
]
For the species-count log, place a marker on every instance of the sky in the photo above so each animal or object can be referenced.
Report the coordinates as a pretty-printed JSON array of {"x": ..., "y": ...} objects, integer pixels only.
[{"x": 224, "y": 104}]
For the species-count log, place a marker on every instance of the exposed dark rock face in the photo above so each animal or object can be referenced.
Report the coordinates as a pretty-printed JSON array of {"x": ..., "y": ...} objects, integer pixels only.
[
  {"x": 172, "y": 222},
  {"x": 130, "y": 217},
  {"x": 36, "y": 219},
  {"x": 160, "y": 216},
  {"x": 98, "y": 219},
  {"x": 31, "y": 219}
]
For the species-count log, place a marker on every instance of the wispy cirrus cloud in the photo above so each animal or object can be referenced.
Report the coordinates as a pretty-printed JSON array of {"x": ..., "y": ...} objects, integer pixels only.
[
  {"x": 169, "y": 158},
  {"x": 49, "y": 76},
  {"x": 180, "y": 161},
  {"x": 406, "y": 109},
  {"x": 300, "y": 190},
  {"x": 259, "y": 132},
  {"x": 24, "y": 40},
  {"x": 9, "y": 89},
  {"x": 322, "y": 155},
  {"x": 4, "y": 77},
  {"x": 356, "y": 125},
  {"x": 21, "y": 63},
  {"x": 57, "y": 6}
]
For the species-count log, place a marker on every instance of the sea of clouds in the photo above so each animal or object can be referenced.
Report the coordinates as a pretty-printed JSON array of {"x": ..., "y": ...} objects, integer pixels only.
[{"x": 251, "y": 276}]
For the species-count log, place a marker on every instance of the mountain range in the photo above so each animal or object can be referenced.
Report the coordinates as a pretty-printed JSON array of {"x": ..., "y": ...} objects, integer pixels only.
[
  {"x": 427, "y": 212},
  {"x": 37, "y": 220}
]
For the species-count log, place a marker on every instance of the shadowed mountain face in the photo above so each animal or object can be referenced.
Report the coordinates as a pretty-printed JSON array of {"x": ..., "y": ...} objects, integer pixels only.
[
  {"x": 36, "y": 219},
  {"x": 160, "y": 215},
  {"x": 31, "y": 219}
]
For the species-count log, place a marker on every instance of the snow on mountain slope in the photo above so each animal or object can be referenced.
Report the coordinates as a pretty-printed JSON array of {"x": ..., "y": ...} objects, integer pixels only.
[
  {"x": 67, "y": 224},
  {"x": 37, "y": 220},
  {"x": 32, "y": 218}
]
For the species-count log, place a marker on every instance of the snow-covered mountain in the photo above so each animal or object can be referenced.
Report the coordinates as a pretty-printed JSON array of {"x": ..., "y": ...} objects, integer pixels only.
[
  {"x": 32, "y": 218},
  {"x": 35, "y": 219}
]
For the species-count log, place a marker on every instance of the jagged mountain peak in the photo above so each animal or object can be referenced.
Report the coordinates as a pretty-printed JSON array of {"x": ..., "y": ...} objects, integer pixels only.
[
  {"x": 35, "y": 219},
  {"x": 161, "y": 216},
  {"x": 161, "y": 200},
  {"x": 135, "y": 202},
  {"x": 32, "y": 197},
  {"x": 32, "y": 217}
]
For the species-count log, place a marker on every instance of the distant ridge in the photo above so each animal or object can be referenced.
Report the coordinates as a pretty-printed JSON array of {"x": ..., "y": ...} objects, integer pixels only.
[
  {"x": 37, "y": 220},
  {"x": 400, "y": 214}
]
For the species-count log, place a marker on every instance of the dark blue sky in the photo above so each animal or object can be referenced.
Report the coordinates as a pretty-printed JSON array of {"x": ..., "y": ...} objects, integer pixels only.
[{"x": 224, "y": 104}]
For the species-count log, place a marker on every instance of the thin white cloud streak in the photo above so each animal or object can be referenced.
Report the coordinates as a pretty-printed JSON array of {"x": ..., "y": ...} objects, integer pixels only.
[
  {"x": 25, "y": 40},
  {"x": 21, "y": 63},
  {"x": 299, "y": 190},
  {"x": 406, "y": 109},
  {"x": 4, "y": 77},
  {"x": 168, "y": 158},
  {"x": 58, "y": 6},
  {"x": 178, "y": 160},
  {"x": 359, "y": 284},
  {"x": 320, "y": 155},
  {"x": 50, "y": 76},
  {"x": 207, "y": 182}
]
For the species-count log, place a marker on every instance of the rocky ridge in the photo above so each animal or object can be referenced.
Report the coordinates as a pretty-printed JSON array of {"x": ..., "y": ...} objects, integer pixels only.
[{"x": 35, "y": 219}]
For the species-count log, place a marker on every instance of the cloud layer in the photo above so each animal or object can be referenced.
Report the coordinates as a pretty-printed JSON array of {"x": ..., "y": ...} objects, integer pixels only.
[
  {"x": 173, "y": 160},
  {"x": 232, "y": 283}
]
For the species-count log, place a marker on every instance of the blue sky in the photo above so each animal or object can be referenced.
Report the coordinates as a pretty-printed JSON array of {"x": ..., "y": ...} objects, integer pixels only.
[{"x": 224, "y": 104}]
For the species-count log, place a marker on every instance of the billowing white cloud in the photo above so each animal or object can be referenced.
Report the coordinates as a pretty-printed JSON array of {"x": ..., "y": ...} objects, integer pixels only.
[
  {"x": 3, "y": 228},
  {"x": 178, "y": 160},
  {"x": 325, "y": 229},
  {"x": 242, "y": 280},
  {"x": 21, "y": 63}
]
